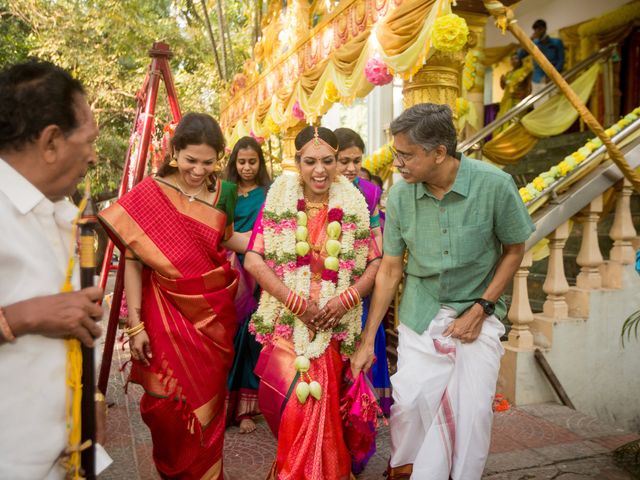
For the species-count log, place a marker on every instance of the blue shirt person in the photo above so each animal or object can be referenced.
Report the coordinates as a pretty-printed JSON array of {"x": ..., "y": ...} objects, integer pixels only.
[{"x": 552, "y": 48}]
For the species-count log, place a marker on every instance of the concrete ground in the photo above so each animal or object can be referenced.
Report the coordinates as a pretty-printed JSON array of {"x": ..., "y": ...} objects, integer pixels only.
[{"x": 533, "y": 442}]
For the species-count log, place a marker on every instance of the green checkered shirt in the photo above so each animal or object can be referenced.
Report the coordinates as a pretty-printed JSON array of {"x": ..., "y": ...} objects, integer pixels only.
[{"x": 453, "y": 244}]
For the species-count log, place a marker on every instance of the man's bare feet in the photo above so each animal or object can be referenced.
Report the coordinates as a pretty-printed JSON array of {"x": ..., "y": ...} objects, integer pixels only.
[{"x": 247, "y": 425}]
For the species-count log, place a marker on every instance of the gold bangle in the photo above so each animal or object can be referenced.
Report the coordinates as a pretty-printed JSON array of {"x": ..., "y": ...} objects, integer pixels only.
[
  {"x": 133, "y": 331},
  {"x": 98, "y": 397}
]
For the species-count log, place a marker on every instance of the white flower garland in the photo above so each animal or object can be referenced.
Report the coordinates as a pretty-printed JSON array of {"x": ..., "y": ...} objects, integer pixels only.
[{"x": 279, "y": 242}]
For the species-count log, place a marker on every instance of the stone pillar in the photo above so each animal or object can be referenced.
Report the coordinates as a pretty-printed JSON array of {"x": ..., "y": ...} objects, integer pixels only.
[
  {"x": 289, "y": 147},
  {"x": 589, "y": 258},
  {"x": 622, "y": 231},
  {"x": 520, "y": 314},
  {"x": 555, "y": 285},
  {"x": 438, "y": 81},
  {"x": 477, "y": 24}
]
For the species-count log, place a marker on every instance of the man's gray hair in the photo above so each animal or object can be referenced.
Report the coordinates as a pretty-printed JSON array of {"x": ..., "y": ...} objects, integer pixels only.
[{"x": 428, "y": 125}]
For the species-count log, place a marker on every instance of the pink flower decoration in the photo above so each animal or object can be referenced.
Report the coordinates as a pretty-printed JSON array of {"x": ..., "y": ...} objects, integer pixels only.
[
  {"x": 340, "y": 336},
  {"x": 251, "y": 328},
  {"x": 377, "y": 72},
  {"x": 297, "y": 111},
  {"x": 291, "y": 266},
  {"x": 279, "y": 270},
  {"x": 284, "y": 331},
  {"x": 263, "y": 339},
  {"x": 302, "y": 206},
  {"x": 347, "y": 264},
  {"x": 290, "y": 224},
  {"x": 258, "y": 139},
  {"x": 271, "y": 264},
  {"x": 361, "y": 242},
  {"x": 349, "y": 227},
  {"x": 330, "y": 275},
  {"x": 304, "y": 261},
  {"x": 268, "y": 223},
  {"x": 335, "y": 215}
]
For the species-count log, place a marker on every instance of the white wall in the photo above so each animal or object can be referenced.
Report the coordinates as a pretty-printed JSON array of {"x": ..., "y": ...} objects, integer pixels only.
[{"x": 557, "y": 13}]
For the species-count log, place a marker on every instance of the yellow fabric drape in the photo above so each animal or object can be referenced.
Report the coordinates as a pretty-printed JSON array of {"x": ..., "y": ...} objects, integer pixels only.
[
  {"x": 552, "y": 118},
  {"x": 557, "y": 114},
  {"x": 510, "y": 145},
  {"x": 402, "y": 52},
  {"x": 402, "y": 40}
]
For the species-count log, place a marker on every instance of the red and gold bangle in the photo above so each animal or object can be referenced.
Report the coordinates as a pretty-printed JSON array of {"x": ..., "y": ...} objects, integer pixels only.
[
  {"x": 296, "y": 304},
  {"x": 350, "y": 298},
  {"x": 5, "y": 329}
]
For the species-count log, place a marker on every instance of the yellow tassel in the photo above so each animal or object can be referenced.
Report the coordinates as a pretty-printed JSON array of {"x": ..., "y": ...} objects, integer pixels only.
[{"x": 74, "y": 372}]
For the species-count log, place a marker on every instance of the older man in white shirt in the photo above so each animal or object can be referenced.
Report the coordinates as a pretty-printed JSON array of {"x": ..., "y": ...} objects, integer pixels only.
[{"x": 47, "y": 132}]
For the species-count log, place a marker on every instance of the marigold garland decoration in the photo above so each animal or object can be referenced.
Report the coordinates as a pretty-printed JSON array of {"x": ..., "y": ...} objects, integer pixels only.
[
  {"x": 546, "y": 179},
  {"x": 450, "y": 33}
]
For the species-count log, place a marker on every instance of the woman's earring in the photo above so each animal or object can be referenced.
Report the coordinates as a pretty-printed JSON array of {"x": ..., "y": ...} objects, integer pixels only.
[{"x": 173, "y": 162}]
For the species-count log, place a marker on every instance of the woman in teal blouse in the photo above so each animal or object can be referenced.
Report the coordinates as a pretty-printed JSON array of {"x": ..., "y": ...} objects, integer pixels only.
[{"x": 247, "y": 169}]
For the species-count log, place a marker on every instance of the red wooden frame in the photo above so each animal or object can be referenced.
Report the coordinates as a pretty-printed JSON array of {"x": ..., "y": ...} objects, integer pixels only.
[{"x": 147, "y": 98}]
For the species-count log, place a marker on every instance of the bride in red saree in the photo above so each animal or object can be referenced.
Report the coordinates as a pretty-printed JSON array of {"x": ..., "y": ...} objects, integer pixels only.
[
  {"x": 180, "y": 289},
  {"x": 313, "y": 254}
]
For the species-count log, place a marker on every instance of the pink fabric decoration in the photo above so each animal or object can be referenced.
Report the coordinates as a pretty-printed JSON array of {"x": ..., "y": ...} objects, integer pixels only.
[
  {"x": 359, "y": 410},
  {"x": 376, "y": 72}
]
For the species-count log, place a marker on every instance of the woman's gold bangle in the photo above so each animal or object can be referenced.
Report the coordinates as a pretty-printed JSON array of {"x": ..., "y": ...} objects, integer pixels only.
[{"x": 133, "y": 331}]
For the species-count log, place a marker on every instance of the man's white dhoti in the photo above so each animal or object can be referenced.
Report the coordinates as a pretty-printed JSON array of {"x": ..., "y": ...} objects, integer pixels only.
[{"x": 443, "y": 397}]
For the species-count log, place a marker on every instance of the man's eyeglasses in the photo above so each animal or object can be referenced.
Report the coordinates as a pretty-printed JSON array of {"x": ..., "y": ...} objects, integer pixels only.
[{"x": 401, "y": 158}]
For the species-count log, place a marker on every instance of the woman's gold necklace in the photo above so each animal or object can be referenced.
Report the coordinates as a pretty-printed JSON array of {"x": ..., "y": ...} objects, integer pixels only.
[{"x": 314, "y": 207}]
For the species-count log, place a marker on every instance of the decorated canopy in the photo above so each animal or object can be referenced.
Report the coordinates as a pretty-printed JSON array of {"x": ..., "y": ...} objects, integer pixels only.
[{"x": 309, "y": 58}]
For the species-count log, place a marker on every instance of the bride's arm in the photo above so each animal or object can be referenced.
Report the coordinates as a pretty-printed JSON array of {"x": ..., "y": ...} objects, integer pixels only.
[{"x": 270, "y": 282}]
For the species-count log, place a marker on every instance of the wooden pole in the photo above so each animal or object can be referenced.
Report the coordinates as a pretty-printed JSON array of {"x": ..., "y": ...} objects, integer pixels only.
[{"x": 505, "y": 20}]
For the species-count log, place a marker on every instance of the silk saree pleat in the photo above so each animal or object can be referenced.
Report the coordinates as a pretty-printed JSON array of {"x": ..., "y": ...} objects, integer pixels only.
[{"x": 189, "y": 314}]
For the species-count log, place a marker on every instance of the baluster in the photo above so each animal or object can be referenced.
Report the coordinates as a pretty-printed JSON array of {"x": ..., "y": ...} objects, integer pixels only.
[
  {"x": 622, "y": 231},
  {"x": 520, "y": 313},
  {"x": 589, "y": 257},
  {"x": 555, "y": 285}
]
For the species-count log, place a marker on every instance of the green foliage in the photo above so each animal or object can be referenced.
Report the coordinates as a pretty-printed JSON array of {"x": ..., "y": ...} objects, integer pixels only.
[
  {"x": 630, "y": 326},
  {"x": 105, "y": 44}
]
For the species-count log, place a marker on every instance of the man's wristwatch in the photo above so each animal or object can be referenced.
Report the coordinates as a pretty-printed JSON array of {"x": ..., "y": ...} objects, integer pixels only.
[{"x": 487, "y": 306}]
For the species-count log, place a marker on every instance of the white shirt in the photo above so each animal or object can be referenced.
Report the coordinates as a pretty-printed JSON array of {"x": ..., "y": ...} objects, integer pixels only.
[{"x": 34, "y": 249}]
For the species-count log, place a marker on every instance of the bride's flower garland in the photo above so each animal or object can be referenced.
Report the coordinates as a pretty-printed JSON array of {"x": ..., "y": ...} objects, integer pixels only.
[{"x": 283, "y": 216}]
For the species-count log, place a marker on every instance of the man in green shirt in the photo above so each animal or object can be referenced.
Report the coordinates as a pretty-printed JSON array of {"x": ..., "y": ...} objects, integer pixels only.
[{"x": 462, "y": 224}]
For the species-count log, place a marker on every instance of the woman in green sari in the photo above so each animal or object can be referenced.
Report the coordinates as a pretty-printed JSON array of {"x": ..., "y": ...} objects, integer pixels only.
[{"x": 247, "y": 169}]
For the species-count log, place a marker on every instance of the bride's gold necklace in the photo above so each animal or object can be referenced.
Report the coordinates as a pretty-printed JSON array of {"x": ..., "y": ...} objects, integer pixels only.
[{"x": 314, "y": 207}]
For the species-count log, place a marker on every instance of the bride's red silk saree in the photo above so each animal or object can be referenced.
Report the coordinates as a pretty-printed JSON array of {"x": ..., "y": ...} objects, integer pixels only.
[{"x": 188, "y": 292}]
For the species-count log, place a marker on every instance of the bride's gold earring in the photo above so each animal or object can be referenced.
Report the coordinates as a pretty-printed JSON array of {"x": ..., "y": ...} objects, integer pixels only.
[{"x": 173, "y": 162}]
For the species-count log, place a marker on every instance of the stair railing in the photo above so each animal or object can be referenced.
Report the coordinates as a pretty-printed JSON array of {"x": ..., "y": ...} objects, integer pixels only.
[
  {"x": 473, "y": 142},
  {"x": 584, "y": 203}
]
